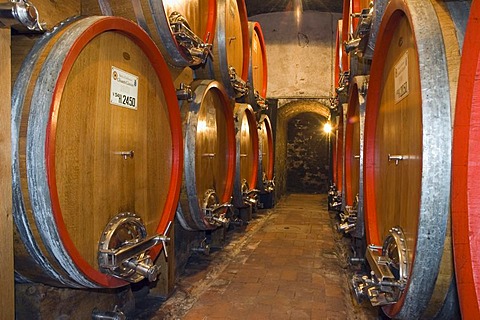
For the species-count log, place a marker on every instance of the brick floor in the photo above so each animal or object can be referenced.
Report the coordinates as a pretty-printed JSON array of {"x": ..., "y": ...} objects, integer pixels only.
[{"x": 284, "y": 266}]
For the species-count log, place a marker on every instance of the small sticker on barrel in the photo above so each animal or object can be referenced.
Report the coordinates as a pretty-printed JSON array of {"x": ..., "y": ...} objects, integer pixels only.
[
  {"x": 401, "y": 78},
  {"x": 123, "y": 89}
]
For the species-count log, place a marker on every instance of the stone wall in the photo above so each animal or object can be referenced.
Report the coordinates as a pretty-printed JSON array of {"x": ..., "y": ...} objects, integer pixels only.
[{"x": 307, "y": 154}]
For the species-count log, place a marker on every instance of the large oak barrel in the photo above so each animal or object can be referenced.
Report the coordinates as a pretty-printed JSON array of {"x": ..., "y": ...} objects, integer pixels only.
[
  {"x": 338, "y": 67},
  {"x": 265, "y": 181},
  {"x": 246, "y": 154},
  {"x": 209, "y": 151},
  {"x": 408, "y": 152},
  {"x": 257, "y": 68},
  {"x": 97, "y": 150},
  {"x": 354, "y": 132},
  {"x": 339, "y": 148},
  {"x": 466, "y": 168},
  {"x": 177, "y": 27},
  {"x": 231, "y": 49}
]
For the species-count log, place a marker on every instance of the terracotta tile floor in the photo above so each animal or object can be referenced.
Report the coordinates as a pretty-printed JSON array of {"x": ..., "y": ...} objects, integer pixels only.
[{"x": 288, "y": 264}]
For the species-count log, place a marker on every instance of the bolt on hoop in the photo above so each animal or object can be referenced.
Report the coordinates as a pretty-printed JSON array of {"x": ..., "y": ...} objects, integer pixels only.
[
  {"x": 123, "y": 249},
  {"x": 389, "y": 275}
]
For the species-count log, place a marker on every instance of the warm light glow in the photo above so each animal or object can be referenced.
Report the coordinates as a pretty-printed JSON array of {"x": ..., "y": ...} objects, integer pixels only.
[
  {"x": 202, "y": 125},
  {"x": 327, "y": 128},
  {"x": 298, "y": 10}
]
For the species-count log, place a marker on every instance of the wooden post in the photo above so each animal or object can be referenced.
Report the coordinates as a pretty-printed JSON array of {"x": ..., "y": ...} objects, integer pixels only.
[{"x": 7, "y": 299}]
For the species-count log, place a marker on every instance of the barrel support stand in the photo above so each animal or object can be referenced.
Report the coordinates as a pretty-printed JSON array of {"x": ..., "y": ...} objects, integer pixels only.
[
  {"x": 267, "y": 200},
  {"x": 245, "y": 213},
  {"x": 7, "y": 294},
  {"x": 39, "y": 301},
  {"x": 216, "y": 237},
  {"x": 165, "y": 284}
]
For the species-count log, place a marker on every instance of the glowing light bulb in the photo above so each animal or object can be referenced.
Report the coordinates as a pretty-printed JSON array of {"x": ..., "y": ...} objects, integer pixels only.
[{"x": 327, "y": 128}]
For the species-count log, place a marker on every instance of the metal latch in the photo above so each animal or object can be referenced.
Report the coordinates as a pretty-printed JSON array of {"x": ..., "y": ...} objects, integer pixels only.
[
  {"x": 360, "y": 36},
  {"x": 116, "y": 314},
  {"x": 343, "y": 83},
  {"x": 123, "y": 249},
  {"x": 240, "y": 86},
  {"x": 215, "y": 212},
  {"x": 20, "y": 12},
  {"x": 185, "y": 92},
  {"x": 249, "y": 196},
  {"x": 268, "y": 185},
  {"x": 198, "y": 51},
  {"x": 389, "y": 271},
  {"x": 334, "y": 198},
  {"x": 262, "y": 103},
  {"x": 348, "y": 218}
]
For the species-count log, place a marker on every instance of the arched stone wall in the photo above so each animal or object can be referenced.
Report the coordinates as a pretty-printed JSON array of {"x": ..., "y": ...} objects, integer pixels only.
[{"x": 285, "y": 113}]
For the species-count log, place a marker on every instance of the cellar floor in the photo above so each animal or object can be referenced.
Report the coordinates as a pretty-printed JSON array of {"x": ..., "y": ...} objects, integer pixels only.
[{"x": 288, "y": 263}]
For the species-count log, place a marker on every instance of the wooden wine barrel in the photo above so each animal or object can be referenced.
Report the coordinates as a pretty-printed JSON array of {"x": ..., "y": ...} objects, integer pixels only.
[
  {"x": 247, "y": 150},
  {"x": 96, "y": 134},
  {"x": 265, "y": 181},
  {"x": 231, "y": 48},
  {"x": 465, "y": 183},
  {"x": 408, "y": 152},
  {"x": 338, "y": 174},
  {"x": 209, "y": 151},
  {"x": 338, "y": 68},
  {"x": 159, "y": 18},
  {"x": 354, "y": 132},
  {"x": 257, "y": 68}
]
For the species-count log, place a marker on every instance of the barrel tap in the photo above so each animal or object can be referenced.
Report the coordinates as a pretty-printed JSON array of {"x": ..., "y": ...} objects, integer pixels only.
[{"x": 20, "y": 12}]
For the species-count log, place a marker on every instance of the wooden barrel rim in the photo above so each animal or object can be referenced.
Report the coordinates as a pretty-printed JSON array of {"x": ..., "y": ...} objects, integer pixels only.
[
  {"x": 139, "y": 37},
  {"x": 345, "y": 33},
  {"x": 434, "y": 208},
  {"x": 465, "y": 171},
  {"x": 242, "y": 9},
  {"x": 352, "y": 111},
  {"x": 258, "y": 29},
  {"x": 338, "y": 53},
  {"x": 265, "y": 120},
  {"x": 201, "y": 88},
  {"x": 245, "y": 110},
  {"x": 339, "y": 148}
]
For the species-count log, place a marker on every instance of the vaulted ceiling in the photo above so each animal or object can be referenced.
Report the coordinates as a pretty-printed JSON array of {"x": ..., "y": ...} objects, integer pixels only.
[{"x": 255, "y": 7}]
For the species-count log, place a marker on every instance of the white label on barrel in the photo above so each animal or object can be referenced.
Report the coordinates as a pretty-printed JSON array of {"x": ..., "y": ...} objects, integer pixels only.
[
  {"x": 401, "y": 78},
  {"x": 123, "y": 89}
]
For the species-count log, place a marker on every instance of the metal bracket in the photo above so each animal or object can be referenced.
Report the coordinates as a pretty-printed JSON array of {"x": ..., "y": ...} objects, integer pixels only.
[
  {"x": 123, "y": 249},
  {"x": 203, "y": 247},
  {"x": 348, "y": 218},
  {"x": 360, "y": 36},
  {"x": 389, "y": 271},
  {"x": 116, "y": 314},
  {"x": 185, "y": 92},
  {"x": 249, "y": 196},
  {"x": 343, "y": 83},
  {"x": 334, "y": 198},
  {"x": 214, "y": 211},
  {"x": 262, "y": 103},
  {"x": 240, "y": 86},
  {"x": 197, "y": 50},
  {"x": 268, "y": 185},
  {"x": 20, "y": 12}
]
